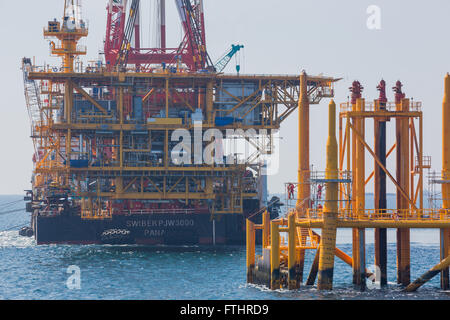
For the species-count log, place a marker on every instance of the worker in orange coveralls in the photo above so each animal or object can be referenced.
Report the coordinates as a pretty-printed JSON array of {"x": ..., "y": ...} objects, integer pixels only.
[
  {"x": 291, "y": 189},
  {"x": 319, "y": 192}
]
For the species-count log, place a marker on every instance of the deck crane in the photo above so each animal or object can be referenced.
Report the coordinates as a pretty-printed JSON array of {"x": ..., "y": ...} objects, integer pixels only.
[
  {"x": 43, "y": 112},
  {"x": 193, "y": 21},
  {"x": 130, "y": 29},
  {"x": 33, "y": 103},
  {"x": 115, "y": 27},
  {"x": 222, "y": 63},
  {"x": 120, "y": 50},
  {"x": 40, "y": 116}
]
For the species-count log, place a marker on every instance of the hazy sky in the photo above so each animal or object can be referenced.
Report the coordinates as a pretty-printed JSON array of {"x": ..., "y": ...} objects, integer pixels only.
[{"x": 281, "y": 37}]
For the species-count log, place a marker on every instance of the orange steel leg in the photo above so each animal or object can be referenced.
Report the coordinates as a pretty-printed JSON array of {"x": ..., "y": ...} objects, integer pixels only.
[
  {"x": 304, "y": 192},
  {"x": 303, "y": 195},
  {"x": 445, "y": 234}
]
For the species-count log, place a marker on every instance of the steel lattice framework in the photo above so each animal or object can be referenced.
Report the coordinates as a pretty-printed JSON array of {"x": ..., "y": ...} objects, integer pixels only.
[{"x": 123, "y": 41}]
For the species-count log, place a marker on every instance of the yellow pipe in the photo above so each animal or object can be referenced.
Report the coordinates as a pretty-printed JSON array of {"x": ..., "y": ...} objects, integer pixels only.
[
  {"x": 328, "y": 241},
  {"x": 446, "y": 143},
  {"x": 266, "y": 229},
  {"x": 250, "y": 250},
  {"x": 445, "y": 233},
  {"x": 274, "y": 256},
  {"x": 303, "y": 195},
  {"x": 360, "y": 161},
  {"x": 304, "y": 189},
  {"x": 293, "y": 279},
  {"x": 444, "y": 264},
  {"x": 148, "y": 95}
]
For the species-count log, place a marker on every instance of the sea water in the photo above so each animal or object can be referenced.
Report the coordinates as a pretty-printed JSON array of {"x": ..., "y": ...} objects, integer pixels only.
[{"x": 28, "y": 271}]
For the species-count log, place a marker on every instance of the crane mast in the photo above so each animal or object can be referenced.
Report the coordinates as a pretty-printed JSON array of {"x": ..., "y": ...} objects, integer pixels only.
[
  {"x": 132, "y": 27},
  {"x": 115, "y": 29},
  {"x": 120, "y": 52}
]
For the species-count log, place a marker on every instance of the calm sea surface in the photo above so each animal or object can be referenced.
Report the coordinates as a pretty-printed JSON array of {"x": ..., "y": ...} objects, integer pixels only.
[{"x": 28, "y": 271}]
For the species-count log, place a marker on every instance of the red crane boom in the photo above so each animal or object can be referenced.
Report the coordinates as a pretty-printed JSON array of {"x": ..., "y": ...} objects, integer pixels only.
[{"x": 119, "y": 50}]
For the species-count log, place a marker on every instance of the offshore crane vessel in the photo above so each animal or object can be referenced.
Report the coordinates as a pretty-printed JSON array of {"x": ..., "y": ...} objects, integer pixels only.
[{"x": 112, "y": 163}]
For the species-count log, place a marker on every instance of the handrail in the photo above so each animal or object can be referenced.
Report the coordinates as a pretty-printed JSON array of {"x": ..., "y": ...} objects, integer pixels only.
[
  {"x": 415, "y": 106},
  {"x": 384, "y": 214},
  {"x": 155, "y": 211}
]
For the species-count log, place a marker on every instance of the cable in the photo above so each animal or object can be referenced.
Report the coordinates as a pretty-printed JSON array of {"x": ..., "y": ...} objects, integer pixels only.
[
  {"x": 18, "y": 226},
  {"x": 10, "y": 203},
  {"x": 264, "y": 209},
  {"x": 12, "y": 211}
]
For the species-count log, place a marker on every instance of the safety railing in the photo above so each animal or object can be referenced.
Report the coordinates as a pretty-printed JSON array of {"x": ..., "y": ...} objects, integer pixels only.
[
  {"x": 275, "y": 265},
  {"x": 96, "y": 214},
  {"x": 78, "y": 49},
  {"x": 414, "y": 106},
  {"x": 426, "y": 162},
  {"x": 146, "y": 211},
  {"x": 49, "y": 165},
  {"x": 383, "y": 214}
]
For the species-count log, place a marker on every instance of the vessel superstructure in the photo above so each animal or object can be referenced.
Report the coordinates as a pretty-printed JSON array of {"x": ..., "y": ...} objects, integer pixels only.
[{"x": 142, "y": 147}]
